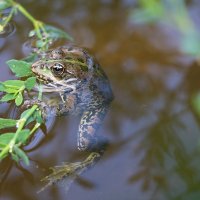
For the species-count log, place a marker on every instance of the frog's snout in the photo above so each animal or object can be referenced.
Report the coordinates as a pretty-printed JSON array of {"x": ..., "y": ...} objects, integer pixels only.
[{"x": 37, "y": 65}]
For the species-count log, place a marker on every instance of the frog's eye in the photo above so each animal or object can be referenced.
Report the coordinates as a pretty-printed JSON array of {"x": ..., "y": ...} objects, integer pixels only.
[{"x": 58, "y": 69}]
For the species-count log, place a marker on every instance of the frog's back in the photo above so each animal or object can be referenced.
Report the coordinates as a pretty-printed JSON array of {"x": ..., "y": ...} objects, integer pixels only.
[{"x": 95, "y": 89}]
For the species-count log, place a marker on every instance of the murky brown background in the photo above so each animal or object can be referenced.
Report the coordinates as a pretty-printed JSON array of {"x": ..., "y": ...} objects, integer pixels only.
[{"x": 153, "y": 129}]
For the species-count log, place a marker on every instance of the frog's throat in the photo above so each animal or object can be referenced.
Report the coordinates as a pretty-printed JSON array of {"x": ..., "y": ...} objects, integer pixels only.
[{"x": 60, "y": 86}]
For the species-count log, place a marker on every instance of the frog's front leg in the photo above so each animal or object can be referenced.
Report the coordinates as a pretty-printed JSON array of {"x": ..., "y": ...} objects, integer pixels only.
[
  {"x": 88, "y": 137},
  {"x": 52, "y": 107}
]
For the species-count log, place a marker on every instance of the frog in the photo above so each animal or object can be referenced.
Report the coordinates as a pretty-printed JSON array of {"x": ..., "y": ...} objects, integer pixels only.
[{"x": 74, "y": 83}]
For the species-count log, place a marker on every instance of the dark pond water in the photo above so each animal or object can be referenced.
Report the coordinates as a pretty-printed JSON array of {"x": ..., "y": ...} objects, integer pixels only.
[{"x": 152, "y": 127}]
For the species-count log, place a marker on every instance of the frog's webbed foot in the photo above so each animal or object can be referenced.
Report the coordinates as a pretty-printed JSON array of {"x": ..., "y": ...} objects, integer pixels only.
[{"x": 66, "y": 173}]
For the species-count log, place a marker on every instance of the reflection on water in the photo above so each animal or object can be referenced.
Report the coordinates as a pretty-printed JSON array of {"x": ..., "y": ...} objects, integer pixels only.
[
  {"x": 8, "y": 30},
  {"x": 152, "y": 126},
  {"x": 10, "y": 27}
]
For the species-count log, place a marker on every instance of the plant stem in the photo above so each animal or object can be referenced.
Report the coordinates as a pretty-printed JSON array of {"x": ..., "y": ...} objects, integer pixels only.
[
  {"x": 25, "y": 12},
  {"x": 40, "y": 92},
  {"x": 21, "y": 125},
  {"x": 37, "y": 125},
  {"x": 38, "y": 26},
  {"x": 9, "y": 17},
  {"x": 22, "y": 122}
]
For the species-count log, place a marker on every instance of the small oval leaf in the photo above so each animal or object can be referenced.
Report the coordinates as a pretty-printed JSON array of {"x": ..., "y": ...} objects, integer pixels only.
[
  {"x": 7, "y": 97},
  {"x": 30, "y": 83},
  {"x": 20, "y": 153},
  {"x": 19, "y": 99},
  {"x": 6, "y": 137},
  {"x": 7, "y": 123},
  {"x": 20, "y": 68},
  {"x": 15, "y": 84}
]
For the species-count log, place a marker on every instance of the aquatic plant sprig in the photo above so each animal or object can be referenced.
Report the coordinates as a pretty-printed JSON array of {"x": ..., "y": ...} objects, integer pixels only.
[
  {"x": 45, "y": 35},
  {"x": 11, "y": 143},
  {"x": 6, "y": 20}
]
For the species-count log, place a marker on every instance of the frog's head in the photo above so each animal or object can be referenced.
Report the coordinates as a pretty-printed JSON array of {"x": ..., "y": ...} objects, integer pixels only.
[{"x": 63, "y": 67}]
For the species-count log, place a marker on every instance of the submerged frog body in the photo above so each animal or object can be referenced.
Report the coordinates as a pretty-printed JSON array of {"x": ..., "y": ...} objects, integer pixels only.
[{"x": 74, "y": 83}]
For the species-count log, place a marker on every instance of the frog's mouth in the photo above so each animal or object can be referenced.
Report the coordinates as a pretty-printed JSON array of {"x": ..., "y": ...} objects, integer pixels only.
[
  {"x": 67, "y": 86},
  {"x": 43, "y": 79}
]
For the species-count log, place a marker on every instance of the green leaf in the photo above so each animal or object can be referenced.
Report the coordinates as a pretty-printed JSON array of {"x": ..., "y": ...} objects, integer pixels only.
[
  {"x": 31, "y": 58},
  {"x": 24, "y": 113},
  {"x": 2, "y": 145},
  {"x": 6, "y": 137},
  {"x": 30, "y": 83},
  {"x": 23, "y": 136},
  {"x": 7, "y": 97},
  {"x": 11, "y": 90},
  {"x": 7, "y": 123},
  {"x": 30, "y": 119},
  {"x": 4, "y": 4},
  {"x": 22, "y": 155},
  {"x": 2, "y": 87},
  {"x": 40, "y": 43},
  {"x": 15, "y": 157},
  {"x": 16, "y": 84},
  {"x": 19, "y": 99},
  {"x": 38, "y": 116},
  {"x": 20, "y": 68},
  {"x": 56, "y": 33}
]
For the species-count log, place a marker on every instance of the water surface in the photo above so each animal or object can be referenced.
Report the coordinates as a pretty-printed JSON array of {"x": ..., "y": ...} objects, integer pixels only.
[{"x": 152, "y": 127}]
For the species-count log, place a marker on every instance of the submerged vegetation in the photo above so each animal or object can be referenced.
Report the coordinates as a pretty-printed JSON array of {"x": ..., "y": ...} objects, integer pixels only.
[
  {"x": 164, "y": 139},
  {"x": 11, "y": 143},
  {"x": 174, "y": 14}
]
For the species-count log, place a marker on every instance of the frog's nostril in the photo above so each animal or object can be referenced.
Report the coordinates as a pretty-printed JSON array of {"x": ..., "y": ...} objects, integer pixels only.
[
  {"x": 42, "y": 66},
  {"x": 34, "y": 66}
]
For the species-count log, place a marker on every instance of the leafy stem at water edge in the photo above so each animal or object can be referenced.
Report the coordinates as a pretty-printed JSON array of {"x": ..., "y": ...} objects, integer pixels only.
[
  {"x": 14, "y": 90},
  {"x": 44, "y": 34},
  {"x": 11, "y": 142}
]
